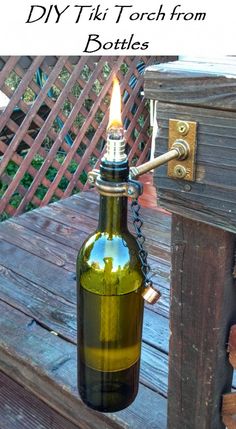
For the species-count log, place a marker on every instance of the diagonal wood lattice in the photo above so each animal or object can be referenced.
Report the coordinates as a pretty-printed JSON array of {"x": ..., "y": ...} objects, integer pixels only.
[{"x": 53, "y": 128}]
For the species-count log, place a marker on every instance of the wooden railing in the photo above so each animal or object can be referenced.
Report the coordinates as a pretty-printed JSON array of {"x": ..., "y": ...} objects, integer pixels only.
[{"x": 53, "y": 128}]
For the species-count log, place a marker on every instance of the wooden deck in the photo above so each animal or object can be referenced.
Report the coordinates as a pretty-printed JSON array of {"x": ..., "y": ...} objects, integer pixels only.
[{"x": 38, "y": 320}]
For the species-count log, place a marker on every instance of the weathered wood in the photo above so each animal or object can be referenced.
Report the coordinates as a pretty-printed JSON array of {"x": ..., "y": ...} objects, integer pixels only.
[
  {"x": 212, "y": 197},
  {"x": 40, "y": 291},
  {"x": 40, "y": 360},
  {"x": 51, "y": 258},
  {"x": 230, "y": 422},
  {"x": 47, "y": 365},
  {"x": 232, "y": 347},
  {"x": 229, "y": 404},
  {"x": 52, "y": 311},
  {"x": 193, "y": 83},
  {"x": 55, "y": 221},
  {"x": 36, "y": 244},
  {"x": 202, "y": 311},
  {"x": 154, "y": 221},
  {"x": 234, "y": 272},
  {"x": 229, "y": 410},
  {"x": 50, "y": 228},
  {"x": 82, "y": 213},
  {"x": 158, "y": 249},
  {"x": 20, "y": 409},
  {"x": 55, "y": 278},
  {"x": 59, "y": 315}
]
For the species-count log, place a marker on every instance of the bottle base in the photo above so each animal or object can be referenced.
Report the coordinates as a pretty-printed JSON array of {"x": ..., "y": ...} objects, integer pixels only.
[{"x": 108, "y": 392}]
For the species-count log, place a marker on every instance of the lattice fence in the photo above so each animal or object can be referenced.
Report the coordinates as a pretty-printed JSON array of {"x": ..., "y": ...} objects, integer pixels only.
[{"x": 53, "y": 124}]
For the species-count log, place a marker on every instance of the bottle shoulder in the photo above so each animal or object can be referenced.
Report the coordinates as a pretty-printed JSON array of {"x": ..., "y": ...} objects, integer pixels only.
[
  {"x": 103, "y": 241},
  {"x": 110, "y": 264}
]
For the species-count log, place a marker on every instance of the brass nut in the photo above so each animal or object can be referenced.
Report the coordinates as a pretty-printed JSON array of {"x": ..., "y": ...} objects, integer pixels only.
[
  {"x": 180, "y": 172},
  {"x": 183, "y": 148},
  {"x": 183, "y": 127}
]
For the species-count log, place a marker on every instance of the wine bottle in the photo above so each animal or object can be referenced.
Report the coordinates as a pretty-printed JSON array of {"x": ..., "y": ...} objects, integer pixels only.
[{"x": 110, "y": 304}]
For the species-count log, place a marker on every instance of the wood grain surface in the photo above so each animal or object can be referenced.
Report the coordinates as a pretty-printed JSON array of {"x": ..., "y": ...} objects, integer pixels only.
[
  {"x": 19, "y": 409},
  {"x": 38, "y": 312},
  {"x": 212, "y": 197},
  {"x": 202, "y": 312},
  {"x": 203, "y": 84}
]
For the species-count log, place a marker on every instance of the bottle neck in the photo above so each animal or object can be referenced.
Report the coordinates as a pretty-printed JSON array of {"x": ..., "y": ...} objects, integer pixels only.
[{"x": 113, "y": 215}]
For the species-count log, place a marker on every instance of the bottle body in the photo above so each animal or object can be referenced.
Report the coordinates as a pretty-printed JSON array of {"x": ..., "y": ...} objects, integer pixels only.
[{"x": 110, "y": 311}]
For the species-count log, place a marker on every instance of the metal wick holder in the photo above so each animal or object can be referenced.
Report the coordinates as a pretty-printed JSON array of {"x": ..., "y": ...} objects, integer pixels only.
[{"x": 115, "y": 153}]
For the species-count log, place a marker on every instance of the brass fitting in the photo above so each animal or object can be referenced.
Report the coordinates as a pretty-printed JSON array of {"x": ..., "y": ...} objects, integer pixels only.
[{"x": 179, "y": 150}]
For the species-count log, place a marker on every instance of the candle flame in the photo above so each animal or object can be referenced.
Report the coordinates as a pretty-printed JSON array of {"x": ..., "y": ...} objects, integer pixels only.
[{"x": 115, "y": 120}]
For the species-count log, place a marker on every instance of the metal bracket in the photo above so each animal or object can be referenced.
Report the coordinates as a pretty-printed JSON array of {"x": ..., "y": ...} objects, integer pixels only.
[
  {"x": 132, "y": 188},
  {"x": 183, "y": 131}
]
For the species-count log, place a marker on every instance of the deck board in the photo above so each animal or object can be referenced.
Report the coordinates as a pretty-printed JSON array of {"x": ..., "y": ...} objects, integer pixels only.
[
  {"x": 19, "y": 409},
  {"x": 37, "y": 299},
  {"x": 59, "y": 315},
  {"x": 46, "y": 365}
]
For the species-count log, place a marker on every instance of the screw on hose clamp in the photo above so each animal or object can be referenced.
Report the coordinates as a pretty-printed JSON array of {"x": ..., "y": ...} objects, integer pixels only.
[
  {"x": 132, "y": 188},
  {"x": 92, "y": 177},
  {"x": 182, "y": 136}
]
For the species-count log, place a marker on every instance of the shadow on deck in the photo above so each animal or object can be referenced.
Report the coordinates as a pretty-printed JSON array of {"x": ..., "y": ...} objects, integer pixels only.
[{"x": 38, "y": 318}]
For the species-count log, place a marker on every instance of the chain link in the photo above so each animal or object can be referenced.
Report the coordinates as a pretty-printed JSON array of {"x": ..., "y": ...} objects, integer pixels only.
[{"x": 140, "y": 237}]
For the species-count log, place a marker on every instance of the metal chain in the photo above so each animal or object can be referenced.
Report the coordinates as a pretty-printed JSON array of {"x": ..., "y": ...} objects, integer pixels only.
[{"x": 138, "y": 223}]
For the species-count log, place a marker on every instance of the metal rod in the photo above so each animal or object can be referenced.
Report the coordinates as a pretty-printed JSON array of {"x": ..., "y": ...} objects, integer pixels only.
[{"x": 147, "y": 166}]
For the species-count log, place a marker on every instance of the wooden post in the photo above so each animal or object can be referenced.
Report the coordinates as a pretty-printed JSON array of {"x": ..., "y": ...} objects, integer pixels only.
[
  {"x": 229, "y": 399},
  {"x": 203, "y": 307},
  {"x": 203, "y": 302}
]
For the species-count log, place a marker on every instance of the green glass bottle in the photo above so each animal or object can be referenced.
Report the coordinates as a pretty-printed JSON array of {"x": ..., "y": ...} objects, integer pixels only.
[{"x": 110, "y": 304}]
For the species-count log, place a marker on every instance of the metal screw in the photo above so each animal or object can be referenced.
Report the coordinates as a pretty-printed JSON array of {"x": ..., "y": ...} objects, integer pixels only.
[
  {"x": 91, "y": 179},
  {"x": 187, "y": 188},
  {"x": 183, "y": 127},
  {"x": 180, "y": 171},
  {"x": 130, "y": 191}
]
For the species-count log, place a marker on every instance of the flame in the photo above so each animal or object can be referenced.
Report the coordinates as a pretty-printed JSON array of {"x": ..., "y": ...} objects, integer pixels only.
[{"x": 115, "y": 120}]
